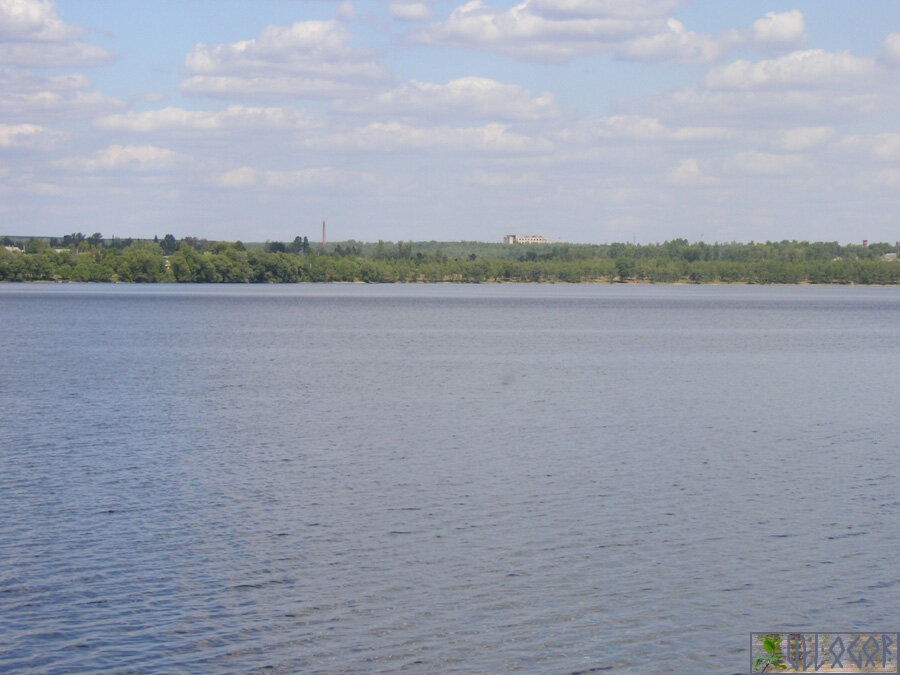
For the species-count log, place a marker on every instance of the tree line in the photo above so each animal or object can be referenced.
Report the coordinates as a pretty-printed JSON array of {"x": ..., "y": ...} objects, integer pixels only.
[{"x": 77, "y": 257}]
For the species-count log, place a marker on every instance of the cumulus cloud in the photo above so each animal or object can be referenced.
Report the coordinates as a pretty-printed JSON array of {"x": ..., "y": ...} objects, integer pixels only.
[
  {"x": 466, "y": 97},
  {"x": 764, "y": 108},
  {"x": 688, "y": 173},
  {"x": 26, "y": 96},
  {"x": 309, "y": 59},
  {"x": 629, "y": 10},
  {"x": 759, "y": 163},
  {"x": 806, "y": 88},
  {"x": 27, "y": 136},
  {"x": 530, "y": 32},
  {"x": 123, "y": 158},
  {"x": 393, "y": 136},
  {"x": 33, "y": 20},
  {"x": 779, "y": 30},
  {"x": 888, "y": 178},
  {"x": 638, "y": 128},
  {"x": 346, "y": 11},
  {"x": 64, "y": 55},
  {"x": 319, "y": 178},
  {"x": 504, "y": 180},
  {"x": 233, "y": 118},
  {"x": 410, "y": 11},
  {"x": 243, "y": 177},
  {"x": 559, "y": 30},
  {"x": 677, "y": 44},
  {"x": 883, "y": 147},
  {"x": 806, "y": 69},
  {"x": 890, "y": 50},
  {"x": 32, "y": 34},
  {"x": 801, "y": 139}
]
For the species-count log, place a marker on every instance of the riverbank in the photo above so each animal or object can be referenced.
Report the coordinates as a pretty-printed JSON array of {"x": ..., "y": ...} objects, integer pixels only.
[{"x": 223, "y": 262}]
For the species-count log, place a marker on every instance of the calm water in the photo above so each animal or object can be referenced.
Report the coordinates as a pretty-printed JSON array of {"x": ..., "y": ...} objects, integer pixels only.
[{"x": 461, "y": 479}]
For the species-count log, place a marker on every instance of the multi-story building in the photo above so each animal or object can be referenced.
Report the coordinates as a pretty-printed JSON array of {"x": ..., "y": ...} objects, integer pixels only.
[{"x": 529, "y": 239}]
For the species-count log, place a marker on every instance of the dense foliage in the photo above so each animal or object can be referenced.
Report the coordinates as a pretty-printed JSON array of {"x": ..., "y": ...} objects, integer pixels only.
[{"x": 80, "y": 258}]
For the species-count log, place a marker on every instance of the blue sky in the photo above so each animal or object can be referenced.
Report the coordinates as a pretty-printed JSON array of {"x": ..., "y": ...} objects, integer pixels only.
[{"x": 583, "y": 120}]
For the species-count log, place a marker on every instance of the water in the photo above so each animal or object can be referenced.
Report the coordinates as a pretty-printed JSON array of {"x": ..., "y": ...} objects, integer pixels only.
[{"x": 460, "y": 479}]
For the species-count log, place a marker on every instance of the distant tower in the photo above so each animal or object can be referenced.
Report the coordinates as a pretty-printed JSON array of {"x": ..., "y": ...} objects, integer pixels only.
[{"x": 323, "y": 233}]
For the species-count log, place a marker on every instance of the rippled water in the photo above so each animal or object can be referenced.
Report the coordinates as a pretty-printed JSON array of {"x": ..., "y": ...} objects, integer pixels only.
[{"x": 461, "y": 479}]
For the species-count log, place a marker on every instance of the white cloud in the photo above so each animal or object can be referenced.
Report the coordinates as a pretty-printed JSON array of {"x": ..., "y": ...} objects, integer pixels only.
[
  {"x": 765, "y": 163},
  {"x": 630, "y": 10},
  {"x": 410, "y": 11},
  {"x": 238, "y": 178},
  {"x": 38, "y": 55},
  {"x": 27, "y": 136},
  {"x": 630, "y": 128},
  {"x": 123, "y": 158},
  {"x": 46, "y": 189},
  {"x": 308, "y": 59},
  {"x": 688, "y": 173},
  {"x": 528, "y": 32},
  {"x": 809, "y": 88},
  {"x": 800, "y": 139},
  {"x": 466, "y": 97},
  {"x": 505, "y": 180},
  {"x": 321, "y": 178},
  {"x": 559, "y": 30},
  {"x": 346, "y": 11},
  {"x": 888, "y": 178},
  {"x": 267, "y": 87},
  {"x": 27, "y": 97},
  {"x": 886, "y": 147},
  {"x": 315, "y": 178},
  {"x": 883, "y": 147},
  {"x": 32, "y": 34},
  {"x": 804, "y": 69},
  {"x": 233, "y": 118},
  {"x": 890, "y": 50},
  {"x": 779, "y": 30},
  {"x": 677, "y": 45},
  {"x": 33, "y": 20},
  {"x": 764, "y": 108},
  {"x": 394, "y": 136}
]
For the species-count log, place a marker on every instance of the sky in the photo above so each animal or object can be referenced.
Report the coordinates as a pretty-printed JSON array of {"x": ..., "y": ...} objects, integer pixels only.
[{"x": 582, "y": 120}]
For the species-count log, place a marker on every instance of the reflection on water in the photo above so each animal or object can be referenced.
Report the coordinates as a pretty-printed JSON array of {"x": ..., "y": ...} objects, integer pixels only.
[{"x": 441, "y": 478}]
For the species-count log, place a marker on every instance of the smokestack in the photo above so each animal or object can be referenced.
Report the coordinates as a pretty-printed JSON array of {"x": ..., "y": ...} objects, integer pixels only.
[{"x": 323, "y": 233}]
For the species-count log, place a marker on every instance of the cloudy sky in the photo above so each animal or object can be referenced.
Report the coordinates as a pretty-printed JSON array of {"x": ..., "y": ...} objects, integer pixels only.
[{"x": 583, "y": 120}]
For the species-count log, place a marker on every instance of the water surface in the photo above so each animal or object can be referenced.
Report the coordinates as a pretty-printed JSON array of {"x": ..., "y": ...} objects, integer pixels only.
[{"x": 500, "y": 478}]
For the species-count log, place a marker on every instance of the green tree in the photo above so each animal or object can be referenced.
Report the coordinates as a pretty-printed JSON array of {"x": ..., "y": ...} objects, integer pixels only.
[
  {"x": 168, "y": 244},
  {"x": 624, "y": 268},
  {"x": 142, "y": 265},
  {"x": 34, "y": 245}
]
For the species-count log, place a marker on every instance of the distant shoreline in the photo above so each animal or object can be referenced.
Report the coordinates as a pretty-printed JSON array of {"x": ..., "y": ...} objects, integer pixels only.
[{"x": 678, "y": 261}]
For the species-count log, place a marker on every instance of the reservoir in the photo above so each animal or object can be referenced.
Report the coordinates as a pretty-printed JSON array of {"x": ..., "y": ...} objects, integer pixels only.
[{"x": 442, "y": 478}]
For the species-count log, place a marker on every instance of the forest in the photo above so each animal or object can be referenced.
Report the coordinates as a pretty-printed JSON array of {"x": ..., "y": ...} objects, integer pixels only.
[{"x": 77, "y": 257}]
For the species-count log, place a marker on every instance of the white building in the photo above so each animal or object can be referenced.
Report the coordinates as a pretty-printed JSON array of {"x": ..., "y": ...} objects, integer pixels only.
[{"x": 528, "y": 239}]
